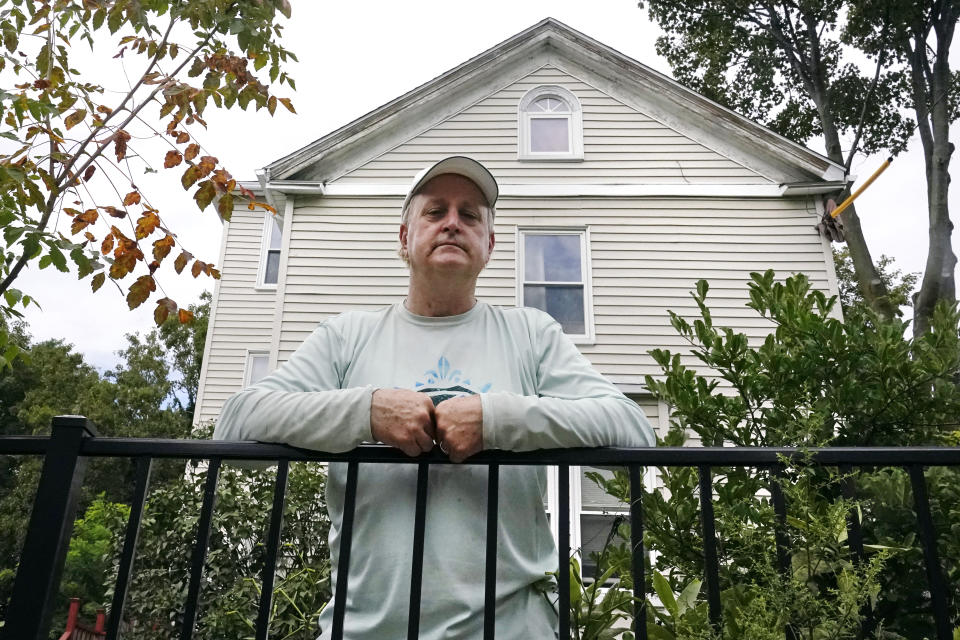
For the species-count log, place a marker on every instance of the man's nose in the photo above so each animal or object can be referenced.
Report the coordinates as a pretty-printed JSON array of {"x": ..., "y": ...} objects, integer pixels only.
[{"x": 451, "y": 221}]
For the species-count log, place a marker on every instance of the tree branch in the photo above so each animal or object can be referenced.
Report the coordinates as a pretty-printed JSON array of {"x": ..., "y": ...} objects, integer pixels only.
[
  {"x": 129, "y": 96},
  {"x": 58, "y": 188},
  {"x": 866, "y": 100}
]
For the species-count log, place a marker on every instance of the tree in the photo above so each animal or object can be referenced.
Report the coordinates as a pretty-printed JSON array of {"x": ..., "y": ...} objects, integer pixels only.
[
  {"x": 921, "y": 34},
  {"x": 231, "y": 588},
  {"x": 184, "y": 346},
  {"x": 899, "y": 285},
  {"x": 136, "y": 398},
  {"x": 75, "y": 146},
  {"x": 781, "y": 63}
]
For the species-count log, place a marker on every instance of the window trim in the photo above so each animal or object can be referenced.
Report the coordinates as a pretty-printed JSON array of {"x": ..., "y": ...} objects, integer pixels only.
[
  {"x": 584, "y": 232},
  {"x": 575, "y": 119},
  {"x": 248, "y": 364},
  {"x": 265, "y": 250}
]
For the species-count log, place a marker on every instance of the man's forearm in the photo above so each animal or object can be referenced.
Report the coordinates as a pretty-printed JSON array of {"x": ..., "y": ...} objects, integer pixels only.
[
  {"x": 335, "y": 420},
  {"x": 521, "y": 423}
]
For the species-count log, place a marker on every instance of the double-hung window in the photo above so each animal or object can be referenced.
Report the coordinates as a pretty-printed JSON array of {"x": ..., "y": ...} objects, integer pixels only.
[
  {"x": 270, "y": 251},
  {"x": 554, "y": 277}
]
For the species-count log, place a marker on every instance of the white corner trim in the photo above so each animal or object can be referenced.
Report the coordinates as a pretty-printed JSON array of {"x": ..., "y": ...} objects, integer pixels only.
[
  {"x": 281, "y": 282},
  {"x": 211, "y": 324},
  {"x": 832, "y": 282},
  {"x": 585, "y": 190}
]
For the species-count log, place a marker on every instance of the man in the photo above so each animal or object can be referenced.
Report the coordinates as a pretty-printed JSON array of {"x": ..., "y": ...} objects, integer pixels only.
[{"x": 440, "y": 369}]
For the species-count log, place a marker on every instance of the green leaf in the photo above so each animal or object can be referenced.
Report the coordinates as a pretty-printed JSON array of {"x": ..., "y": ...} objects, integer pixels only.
[
  {"x": 688, "y": 597},
  {"x": 58, "y": 259},
  {"x": 204, "y": 195},
  {"x": 665, "y": 593},
  {"x": 97, "y": 281},
  {"x": 12, "y": 296},
  {"x": 10, "y": 234}
]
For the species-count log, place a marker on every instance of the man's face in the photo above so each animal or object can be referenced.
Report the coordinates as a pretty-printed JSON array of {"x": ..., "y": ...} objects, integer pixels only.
[{"x": 446, "y": 229}]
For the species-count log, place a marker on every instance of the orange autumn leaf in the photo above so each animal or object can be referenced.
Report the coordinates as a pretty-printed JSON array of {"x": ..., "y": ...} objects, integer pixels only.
[
  {"x": 140, "y": 291},
  {"x": 83, "y": 220},
  {"x": 114, "y": 212},
  {"x": 97, "y": 281},
  {"x": 147, "y": 224},
  {"x": 74, "y": 118},
  {"x": 197, "y": 268},
  {"x": 191, "y": 151},
  {"x": 207, "y": 164},
  {"x": 120, "y": 139},
  {"x": 181, "y": 261},
  {"x": 162, "y": 247},
  {"x": 122, "y": 264},
  {"x": 107, "y": 245},
  {"x": 183, "y": 137},
  {"x": 165, "y": 306},
  {"x": 185, "y": 316},
  {"x": 172, "y": 159},
  {"x": 131, "y": 198}
]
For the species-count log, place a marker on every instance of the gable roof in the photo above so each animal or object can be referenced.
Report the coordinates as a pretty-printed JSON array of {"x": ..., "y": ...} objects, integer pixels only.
[{"x": 550, "y": 41}]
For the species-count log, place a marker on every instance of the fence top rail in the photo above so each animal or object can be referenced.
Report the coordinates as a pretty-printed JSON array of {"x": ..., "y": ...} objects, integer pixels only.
[{"x": 601, "y": 456}]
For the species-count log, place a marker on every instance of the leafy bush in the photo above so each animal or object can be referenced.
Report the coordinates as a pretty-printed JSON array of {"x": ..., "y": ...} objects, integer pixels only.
[
  {"x": 813, "y": 381},
  {"x": 230, "y": 590}
]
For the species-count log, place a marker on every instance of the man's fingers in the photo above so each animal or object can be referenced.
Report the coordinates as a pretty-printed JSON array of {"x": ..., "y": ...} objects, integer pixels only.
[
  {"x": 412, "y": 449},
  {"x": 424, "y": 441}
]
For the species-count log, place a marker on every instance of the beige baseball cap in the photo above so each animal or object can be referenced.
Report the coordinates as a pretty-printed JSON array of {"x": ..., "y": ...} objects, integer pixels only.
[{"x": 461, "y": 166}]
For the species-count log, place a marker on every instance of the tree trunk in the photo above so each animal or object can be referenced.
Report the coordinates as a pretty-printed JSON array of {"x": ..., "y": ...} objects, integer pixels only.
[
  {"x": 868, "y": 278},
  {"x": 933, "y": 119}
]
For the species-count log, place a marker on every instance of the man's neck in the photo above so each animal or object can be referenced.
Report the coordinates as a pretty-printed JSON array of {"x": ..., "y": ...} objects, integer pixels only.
[{"x": 436, "y": 299}]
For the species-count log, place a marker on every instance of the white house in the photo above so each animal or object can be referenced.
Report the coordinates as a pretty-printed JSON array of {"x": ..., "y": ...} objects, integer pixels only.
[{"x": 619, "y": 190}]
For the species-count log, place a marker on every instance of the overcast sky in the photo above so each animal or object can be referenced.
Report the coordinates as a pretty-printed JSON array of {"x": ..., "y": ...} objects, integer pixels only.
[{"x": 354, "y": 57}]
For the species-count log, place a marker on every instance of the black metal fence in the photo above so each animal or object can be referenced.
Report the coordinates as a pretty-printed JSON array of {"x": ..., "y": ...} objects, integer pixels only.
[{"x": 74, "y": 440}]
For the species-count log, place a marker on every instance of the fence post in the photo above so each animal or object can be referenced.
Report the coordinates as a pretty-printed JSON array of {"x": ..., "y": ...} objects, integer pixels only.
[{"x": 37, "y": 584}]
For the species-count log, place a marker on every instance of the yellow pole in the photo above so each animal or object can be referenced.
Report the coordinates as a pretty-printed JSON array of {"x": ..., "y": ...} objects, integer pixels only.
[{"x": 853, "y": 196}]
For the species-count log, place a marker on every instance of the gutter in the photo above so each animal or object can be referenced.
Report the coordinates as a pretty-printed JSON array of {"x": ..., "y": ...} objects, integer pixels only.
[
  {"x": 270, "y": 188},
  {"x": 811, "y": 188}
]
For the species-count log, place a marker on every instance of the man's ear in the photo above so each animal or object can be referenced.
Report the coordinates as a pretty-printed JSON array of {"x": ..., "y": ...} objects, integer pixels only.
[
  {"x": 403, "y": 237},
  {"x": 491, "y": 244}
]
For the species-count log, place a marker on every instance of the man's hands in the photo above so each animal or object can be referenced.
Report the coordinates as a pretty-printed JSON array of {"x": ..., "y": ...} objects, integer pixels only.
[
  {"x": 403, "y": 419},
  {"x": 460, "y": 427},
  {"x": 408, "y": 421}
]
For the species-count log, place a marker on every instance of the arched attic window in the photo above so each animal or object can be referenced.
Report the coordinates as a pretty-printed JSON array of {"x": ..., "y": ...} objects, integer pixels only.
[{"x": 550, "y": 124}]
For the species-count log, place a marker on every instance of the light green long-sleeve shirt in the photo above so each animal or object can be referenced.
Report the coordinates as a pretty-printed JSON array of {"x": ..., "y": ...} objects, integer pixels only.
[{"x": 537, "y": 391}]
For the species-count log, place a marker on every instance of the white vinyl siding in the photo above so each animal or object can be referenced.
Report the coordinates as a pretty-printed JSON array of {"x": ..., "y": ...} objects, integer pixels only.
[
  {"x": 244, "y": 316},
  {"x": 620, "y": 145},
  {"x": 646, "y": 256}
]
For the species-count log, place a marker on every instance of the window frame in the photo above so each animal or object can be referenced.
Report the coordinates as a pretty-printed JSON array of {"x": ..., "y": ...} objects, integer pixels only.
[
  {"x": 577, "y": 510},
  {"x": 266, "y": 238},
  {"x": 589, "y": 337},
  {"x": 248, "y": 365},
  {"x": 574, "y": 119}
]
